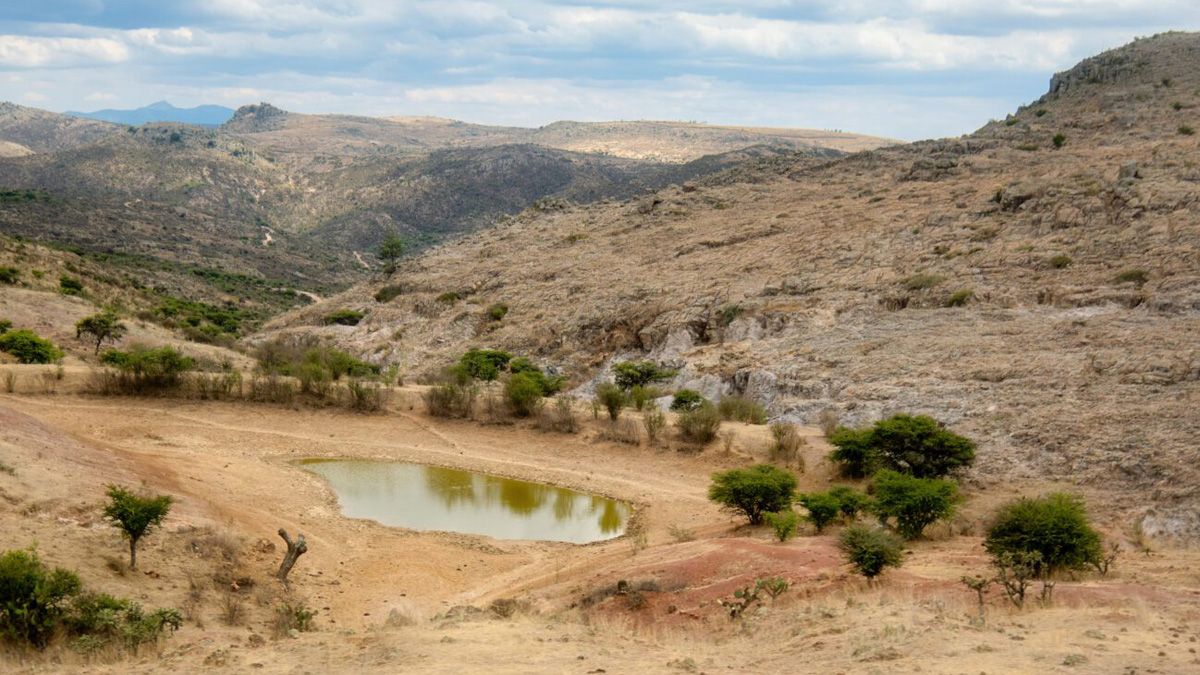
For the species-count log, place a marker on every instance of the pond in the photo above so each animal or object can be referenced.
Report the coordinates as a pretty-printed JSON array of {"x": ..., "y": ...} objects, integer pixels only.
[{"x": 421, "y": 497}]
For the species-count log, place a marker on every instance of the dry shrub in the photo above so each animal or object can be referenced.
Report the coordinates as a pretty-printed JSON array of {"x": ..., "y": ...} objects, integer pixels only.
[
  {"x": 450, "y": 399},
  {"x": 622, "y": 430},
  {"x": 272, "y": 388},
  {"x": 654, "y": 421},
  {"x": 401, "y": 617},
  {"x": 829, "y": 419},
  {"x": 215, "y": 386},
  {"x": 49, "y": 380},
  {"x": 741, "y": 409},
  {"x": 506, "y": 608},
  {"x": 786, "y": 442},
  {"x": 492, "y": 409},
  {"x": 233, "y": 609},
  {"x": 559, "y": 417},
  {"x": 727, "y": 438},
  {"x": 292, "y": 615},
  {"x": 365, "y": 398},
  {"x": 699, "y": 426},
  {"x": 681, "y": 534},
  {"x": 10, "y": 382},
  {"x": 210, "y": 543}
]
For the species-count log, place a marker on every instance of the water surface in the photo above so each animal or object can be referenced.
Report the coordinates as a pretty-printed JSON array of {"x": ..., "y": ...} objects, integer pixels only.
[{"x": 421, "y": 497}]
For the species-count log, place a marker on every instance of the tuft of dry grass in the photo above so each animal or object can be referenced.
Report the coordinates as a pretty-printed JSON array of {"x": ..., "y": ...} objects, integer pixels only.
[{"x": 623, "y": 430}]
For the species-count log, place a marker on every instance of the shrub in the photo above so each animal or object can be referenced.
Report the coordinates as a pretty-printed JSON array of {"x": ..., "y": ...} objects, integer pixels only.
[
  {"x": 549, "y": 385},
  {"x": 559, "y": 417},
  {"x": 523, "y": 394},
  {"x": 391, "y": 248},
  {"x": 448, "y": 298},
  {"x": 100, "y": 620},
  {"x": 497, "y": 311},
  {"x": 1133, "y": 276},
  {"x": 851, "y": 502},
  {"x": 914, "y": 502},
  {"x": 922, "y": 281},
  {"x": 9, "y": 275},
  {"x": 339, "y": 363},
  {"x": 784, "y": 523},
  {"x": 629, "y": 374},
  {"x": 753, "y": 492},
  {"x": 143, "y": 370},
  {"x": 1055, "y": 526},
  {"x": 69, "y": 285},
  {"x": 102, "y": 327},
  {"x": 654, "y": 420},
  {"x": 699, "y": 426},
  {"x": 451, "y": 399},
  {"x": 33, "y": 597},
  {"x": 389, "y": 293},
  {"x": 612, "y": 398},
  {"x": 853, "y": 452},
  {"x": 960, "y": 297},
  {"x": 641, "y": 397},
  {"x": 1061, "y": 261},
  {"x": 484, "y": 364},
  {"x": 1059, "y": 140},
  {"x": 28, "y": 347},
  {"x": 1185, "y": 130},
  {"x": 870, "y": 550},
  {"x": 344, "y": 317},
  {"x": 685, "y": 400},
  {"x": 365, "y": 398},
  {"x": 135, "y": 516},
  {"x": 823, "y": 509},
  {"x": 293, "y": 616},
  {"x": 621, "y": 431},
  {"x": 5, "y": 326},
  {"x": 829, "y": 420},
  {"x": 741, "y": 409},
  {"x": 785, "y": 444},
  {"x": 916, "y": 445}
]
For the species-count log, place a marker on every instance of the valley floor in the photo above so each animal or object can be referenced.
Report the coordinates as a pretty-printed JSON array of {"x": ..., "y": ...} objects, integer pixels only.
[{"x": 386, "y": 597}]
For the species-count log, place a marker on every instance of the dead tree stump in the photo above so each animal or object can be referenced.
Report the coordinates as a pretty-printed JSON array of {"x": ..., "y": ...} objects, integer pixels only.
[{"x": 295, "y": 549}]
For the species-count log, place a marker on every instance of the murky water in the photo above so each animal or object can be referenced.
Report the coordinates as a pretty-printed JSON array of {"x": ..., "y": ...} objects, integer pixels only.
[{"x": 423, "y": 497}]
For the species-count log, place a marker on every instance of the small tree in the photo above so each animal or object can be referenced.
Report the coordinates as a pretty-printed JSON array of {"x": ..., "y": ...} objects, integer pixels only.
[
  {"x": 612, "y": 398},
  {"x": 101, "y": 328},
  {"x": 753, "y": 492},
  {"x": 784, "y": 523},
  {"x": 871, "y": 550},
  {"x": 135, "y": 516},
  {"x": 823, "y": 508},
  {"x": 913, "y": 502},
  {"x": 485, "y": 364},
  {"x": 390, "y": 250},
  {"x": 1055, "y": 527},
  {"x": 920, "y": 446},
  {"x": 853, "y": 453},
  {"x": 629, "y": 374}
]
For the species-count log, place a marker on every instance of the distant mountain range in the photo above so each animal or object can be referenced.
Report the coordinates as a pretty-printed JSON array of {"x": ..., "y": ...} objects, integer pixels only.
[{"x": 204, "y": 115}]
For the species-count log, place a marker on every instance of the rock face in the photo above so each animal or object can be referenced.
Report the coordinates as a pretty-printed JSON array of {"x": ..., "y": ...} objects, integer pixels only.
[{"x": 1040, "y": 296}]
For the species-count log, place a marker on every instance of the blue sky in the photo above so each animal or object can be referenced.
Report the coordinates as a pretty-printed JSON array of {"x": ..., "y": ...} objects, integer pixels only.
[{"x": 908, "y": 69}]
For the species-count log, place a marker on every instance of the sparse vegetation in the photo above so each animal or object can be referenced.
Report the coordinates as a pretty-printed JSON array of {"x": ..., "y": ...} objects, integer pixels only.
[
  {"x": 9, "y": 275},
  {"x": 1061, "y": 261},
  {"x": 560, "y": 416},
  {"x": 699, "y": 426},
  {"x": 913, "y": 502},
  {"x": 612, "y": 398},
  {"x": 918, "y": 282},
  {"x": 754, "y": 492},
  {"x": 498, "y": 311},
  {"x": 1132, "y": 276},
  {"x": 960, "y": 298},
  {"x": 786, "y": 443},
  {"x": 70, "y": 285},
  {"x": 654, "y": 421},
  {"x": 1185, "y": 130},
  {"x": 741, "y": 409},
  {"x": 344, "y": 317},
  {"x": 389, "y": 293}
]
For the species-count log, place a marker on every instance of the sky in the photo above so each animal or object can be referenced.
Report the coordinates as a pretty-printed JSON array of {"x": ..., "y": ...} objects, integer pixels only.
[{"x": 907, "y": 69}]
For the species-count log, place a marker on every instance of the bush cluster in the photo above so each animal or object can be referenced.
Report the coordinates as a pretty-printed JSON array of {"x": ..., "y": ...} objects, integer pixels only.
[
  {"x": 29, "y": 347},
  {"x": 754, "y": 492},
  {"x": 685, "y": 400},
  {"x": 143, "y": 370},
  {"x": 630, "y": 374},
  {"x": 741, "y": 409},
  {"x": 344, "y": 317},
  {"x": 913, "y": 502},
  {"x": 700, "y": 425},
  {"x": 916, "y": 445}
]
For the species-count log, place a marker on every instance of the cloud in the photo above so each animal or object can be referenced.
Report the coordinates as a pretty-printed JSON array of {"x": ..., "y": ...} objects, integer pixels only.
[
  {"x": 101, "y": 96},
  {"x": 41, "y": 52}
]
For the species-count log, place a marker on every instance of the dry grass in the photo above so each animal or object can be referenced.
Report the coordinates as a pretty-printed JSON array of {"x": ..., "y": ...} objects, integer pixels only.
[{"x": 623, "y": 430}]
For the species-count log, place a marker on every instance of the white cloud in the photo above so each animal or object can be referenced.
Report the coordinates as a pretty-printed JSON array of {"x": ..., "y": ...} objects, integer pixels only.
[
  {"x": 39, "y": 52},
  {"x": 101, "y": 96}
]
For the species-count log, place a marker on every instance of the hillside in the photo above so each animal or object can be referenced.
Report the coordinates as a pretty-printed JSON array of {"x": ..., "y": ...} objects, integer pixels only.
[
  {"x": 1033, "y": 284},
  {"x": 43, "y": 131}
]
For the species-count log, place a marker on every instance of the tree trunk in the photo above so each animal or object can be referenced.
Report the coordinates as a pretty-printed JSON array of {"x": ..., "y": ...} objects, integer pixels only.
[
  {"x": 132, "y": 553},
  {"x": 295, "y": 549}
]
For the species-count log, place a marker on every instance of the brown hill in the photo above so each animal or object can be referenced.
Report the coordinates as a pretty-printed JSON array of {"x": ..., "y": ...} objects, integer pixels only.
[
  {"x": 43, "y": 131},
  {"x": 1033, "y": 284}
]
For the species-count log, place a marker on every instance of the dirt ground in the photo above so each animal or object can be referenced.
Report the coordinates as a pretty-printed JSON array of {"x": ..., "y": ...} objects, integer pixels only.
[{"x": 227, "y": 464}]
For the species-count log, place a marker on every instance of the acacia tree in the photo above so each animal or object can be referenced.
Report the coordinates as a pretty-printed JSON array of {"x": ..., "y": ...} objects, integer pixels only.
[
  {"x": 135, "y": 516},
  {"x": 753, "y": 492},
  {"x": 101, "y": 328},
  {"x": 390, "y": 250}
]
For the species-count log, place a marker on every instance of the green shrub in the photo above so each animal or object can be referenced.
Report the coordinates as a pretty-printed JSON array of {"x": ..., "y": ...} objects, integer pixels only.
[
  {"x": 549, "y": 385},
  {"x": 5, "y": 326},
  {"x": 1059, "y": 140},
  {"x": 641, "y": 397},
  {"x": 741, "y": 409},
  {"x": 753, "y": 492},
  {"x": 1185, "y": 130},
  {"x": 915, "y": 503},
  {"x": 293, "y": 616},
  {"x": 389, "y": 293},
  {"x": 344, "y": 317},
  {"x": 365, "y": 398},
  {"x": 823, "y": 508},
  {"x": 523, "y": 393},
  {"x": 99, "y": 620},
  {"x": 9, "y": 275},
  {"x": 69, "y": 285},
  {"x": 1041, "y": 112},
  {"x": 784, "y": 523},
  {"x": 33, "y": 598},
  {"x": 143, "y": 370},
  {"x": 1061, "y": 261},
  {"x": 497, "y": 311},
  {"x": 1132, "y": 276},
  {"x": 700, "y": 425},
  {"x": 340, "y": 364},
  {"x": 612, "y": 398},
  {"x": 390, "y": 250},
  {"x": 448, "y": 298},
  {"x": 851, "y": 502},
  {"x": 922, "y": 281},
  {"x": 686, "y": 400},
  {"x": 870, "y": 550},
  {"x": 484, "y": 364},
  {"x": 1054, "y": 526},
  {"x": 853, "y": 452},
  {"x": 630, "y": 374},
  {"x": 28, "y": 347},
  {"x": 654, "y": 420},
  {"x": 960, "y": 297},
  {"x": 916, "y": 445}
]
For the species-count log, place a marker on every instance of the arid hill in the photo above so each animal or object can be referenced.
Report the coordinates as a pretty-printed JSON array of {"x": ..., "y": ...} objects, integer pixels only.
[{"x": 1033, "y": 284}]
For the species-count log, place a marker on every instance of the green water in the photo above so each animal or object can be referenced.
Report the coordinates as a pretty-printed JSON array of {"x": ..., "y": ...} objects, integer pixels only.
[{"x": 422, "y": 497}]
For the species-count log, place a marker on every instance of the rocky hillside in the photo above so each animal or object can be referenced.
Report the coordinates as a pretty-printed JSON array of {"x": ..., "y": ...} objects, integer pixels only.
[
  {"x": 1034, "y": 284},
  {"x": 43, "y": 131}
]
